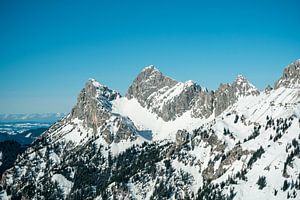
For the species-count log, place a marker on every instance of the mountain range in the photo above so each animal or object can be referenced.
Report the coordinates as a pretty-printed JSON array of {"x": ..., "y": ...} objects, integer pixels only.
[
  {"x": 168, "y": 140},
  {"x": 35, "y": 117}
]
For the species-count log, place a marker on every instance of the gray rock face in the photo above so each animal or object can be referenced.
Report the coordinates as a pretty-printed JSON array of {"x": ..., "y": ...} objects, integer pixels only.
[
  {"x": 182, "y": 137},
  {"x": 223, "y": 97},
  {"x": 125, "y": 130},
  {"x": 150, "y": 80},
  {"x": 290, "y": 77},
  {"x": 176, "y": 106},
  {"x": 93, "y": 104},
  {"x": 211, "y": 174},
  {"x": 94, "y": 109},
  {"x": 203, "y": 105}
]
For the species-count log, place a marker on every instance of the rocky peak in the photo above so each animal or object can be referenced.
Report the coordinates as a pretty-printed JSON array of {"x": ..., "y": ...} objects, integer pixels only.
[
  {"x": 243, "y": 87},
  {"x": 147, "y": 82},
  {"x": 290, "y": 77},
  {"x": 151, "y": 69},
  {"x": 240, "y": 79},
  {"x": 227, "y": 94},
  {"x": 93, "y": 107},
  {"x": 97, "y": 90},
  {"x": 93, "y": 104}
]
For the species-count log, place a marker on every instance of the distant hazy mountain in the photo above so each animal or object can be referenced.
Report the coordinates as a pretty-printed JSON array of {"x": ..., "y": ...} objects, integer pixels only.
[
  {"x": 44, "y": 117},
  {"x": 25, "y": 136}
]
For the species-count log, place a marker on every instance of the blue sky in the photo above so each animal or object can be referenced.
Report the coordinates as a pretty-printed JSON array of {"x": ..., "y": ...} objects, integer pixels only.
[{"x": 49, "y": 49}]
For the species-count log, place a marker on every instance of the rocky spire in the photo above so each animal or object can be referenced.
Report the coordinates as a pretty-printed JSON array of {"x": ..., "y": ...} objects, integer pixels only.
[
  {"x": 290, "y": 77},
  {"x": 93, "y": 104},
  {"x": 243, "y": 87}
]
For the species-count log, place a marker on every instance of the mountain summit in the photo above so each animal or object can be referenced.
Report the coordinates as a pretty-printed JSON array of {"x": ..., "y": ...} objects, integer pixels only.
[
  {"x": 168, "y": 140},
  {"x": 290, "y": 77},
  {"x": 150, "y": 80}
]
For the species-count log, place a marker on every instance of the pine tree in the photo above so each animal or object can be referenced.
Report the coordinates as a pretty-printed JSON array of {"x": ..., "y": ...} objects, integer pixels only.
[
  {"x": 261, "y": 182},
  {"x": 285, "y": 186}
]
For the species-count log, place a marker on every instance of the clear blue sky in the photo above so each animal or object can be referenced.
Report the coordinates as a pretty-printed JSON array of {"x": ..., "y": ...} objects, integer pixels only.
[{"x": 48, "y": 49}]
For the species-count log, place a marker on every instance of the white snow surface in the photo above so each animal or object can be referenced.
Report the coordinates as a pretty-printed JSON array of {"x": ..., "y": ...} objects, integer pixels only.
[
  {"x": 65, "y": 185},
  {"x": 282, "y": 102},
  {"x": 146, "y": 120}
]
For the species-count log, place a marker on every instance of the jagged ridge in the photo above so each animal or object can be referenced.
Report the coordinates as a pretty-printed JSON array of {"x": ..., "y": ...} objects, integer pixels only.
[{"x": 170, "y": 99}]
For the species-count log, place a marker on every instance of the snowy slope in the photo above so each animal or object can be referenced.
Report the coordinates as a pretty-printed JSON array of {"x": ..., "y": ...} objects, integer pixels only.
[{"x": 144, "y": 119}]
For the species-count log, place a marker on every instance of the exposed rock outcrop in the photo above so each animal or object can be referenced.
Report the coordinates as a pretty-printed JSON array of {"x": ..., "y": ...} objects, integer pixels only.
[
  {"x": 93, "y": 104},
  {"x": 182, "y": 137}
]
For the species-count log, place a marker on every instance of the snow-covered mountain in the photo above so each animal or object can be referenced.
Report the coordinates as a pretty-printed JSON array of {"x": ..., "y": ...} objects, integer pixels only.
[{"x": 168, "y": 140}]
